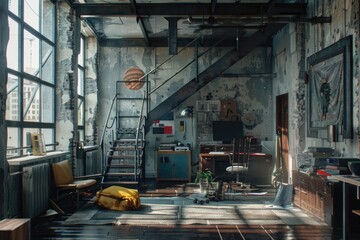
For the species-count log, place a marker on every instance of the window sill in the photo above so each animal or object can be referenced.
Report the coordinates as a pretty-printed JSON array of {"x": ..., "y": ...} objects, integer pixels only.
[{"x": 32, "y": 159}]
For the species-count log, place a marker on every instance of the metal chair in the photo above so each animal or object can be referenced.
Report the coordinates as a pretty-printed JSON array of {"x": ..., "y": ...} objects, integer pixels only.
[
  {"x": 239, "y": 162},
  {"x": 65, "y": 181}
]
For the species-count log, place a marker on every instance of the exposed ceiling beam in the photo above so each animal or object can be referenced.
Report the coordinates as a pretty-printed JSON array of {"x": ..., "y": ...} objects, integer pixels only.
[
  {"x": 213, "y": 5},
  {"x": 271, "y": 4},
  {"x": 190, "y": 9},
  {"x": 143, "y": 31},
  {"x": 163, "y": 42},
  {"x": 172, "y": 35},
  {"x": 141, "y": 23}
]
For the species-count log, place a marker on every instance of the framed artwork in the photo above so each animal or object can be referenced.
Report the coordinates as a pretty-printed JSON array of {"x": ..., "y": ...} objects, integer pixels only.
[
  {"x": 165, "y": 125},
  {"x": 38, "y": 144},
  {"x": 201, "y": 106},
  {"x": 329, "y": 98}
]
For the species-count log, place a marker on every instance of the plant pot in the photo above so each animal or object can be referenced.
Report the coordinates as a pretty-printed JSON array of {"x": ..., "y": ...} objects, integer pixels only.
[{"x": 204, "y": 185}]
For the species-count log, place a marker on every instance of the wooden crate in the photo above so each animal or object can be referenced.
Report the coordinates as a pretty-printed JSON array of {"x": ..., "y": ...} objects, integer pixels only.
[{"x": 15, "y": 229}]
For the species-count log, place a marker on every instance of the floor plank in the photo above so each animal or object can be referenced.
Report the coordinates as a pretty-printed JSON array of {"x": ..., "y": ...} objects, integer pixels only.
[{"x": 53, "y": 227}]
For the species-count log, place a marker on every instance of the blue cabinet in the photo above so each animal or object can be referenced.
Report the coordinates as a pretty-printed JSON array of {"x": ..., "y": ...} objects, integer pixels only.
[{"x": 173, "y": 165}]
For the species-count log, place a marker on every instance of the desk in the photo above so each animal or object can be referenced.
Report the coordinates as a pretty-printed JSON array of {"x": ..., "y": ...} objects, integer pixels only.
[
  {"x": 259, "y": 171},
  {"x": 346, "y": 180},
  {"x": 207, "y": 161}
]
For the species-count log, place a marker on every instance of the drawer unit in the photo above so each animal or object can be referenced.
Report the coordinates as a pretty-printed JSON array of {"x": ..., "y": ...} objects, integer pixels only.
[{"x": 317, "y": 197}]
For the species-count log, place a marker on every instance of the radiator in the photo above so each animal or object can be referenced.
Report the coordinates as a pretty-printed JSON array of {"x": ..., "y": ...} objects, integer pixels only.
[{"x": 36, "y": 185}]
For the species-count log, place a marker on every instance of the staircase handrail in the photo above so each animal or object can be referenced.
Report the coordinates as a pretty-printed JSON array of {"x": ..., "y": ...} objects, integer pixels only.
[
  {"x": 104, "y": 131},
  {"x": 141, "y": 119},
  {"x": 168, "y": 59},
  {"x": 188, "y": 64},
  {"x": 140, "y": 128}
]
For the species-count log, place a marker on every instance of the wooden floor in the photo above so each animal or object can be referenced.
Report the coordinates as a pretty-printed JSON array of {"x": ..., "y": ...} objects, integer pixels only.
[{"x": 52, "y": 228}]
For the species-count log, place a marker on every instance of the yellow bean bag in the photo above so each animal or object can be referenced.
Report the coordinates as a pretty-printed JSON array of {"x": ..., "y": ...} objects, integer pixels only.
[{"x": 118, "y": 198}]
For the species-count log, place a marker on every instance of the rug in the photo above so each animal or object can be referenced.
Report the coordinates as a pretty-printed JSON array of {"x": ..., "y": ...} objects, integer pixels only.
[{"x": 182, "y": 210}]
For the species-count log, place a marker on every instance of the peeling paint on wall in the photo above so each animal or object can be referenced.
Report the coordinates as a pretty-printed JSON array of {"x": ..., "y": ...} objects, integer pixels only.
[
  {"x": 253, "y": 94},
  {"x": 65, "y": 77},
  {"x": 91, "y": 92}
]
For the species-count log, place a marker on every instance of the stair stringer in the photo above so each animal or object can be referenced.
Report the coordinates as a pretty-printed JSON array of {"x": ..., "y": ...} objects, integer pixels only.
[{"x": 245, "y": 47}]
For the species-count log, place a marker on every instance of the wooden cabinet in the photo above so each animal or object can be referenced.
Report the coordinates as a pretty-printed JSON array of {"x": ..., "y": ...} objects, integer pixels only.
[
  {"x": 317, "y": 197},
  {"x": 173, "y": 165},
  {"x": 15, "y": 228}
]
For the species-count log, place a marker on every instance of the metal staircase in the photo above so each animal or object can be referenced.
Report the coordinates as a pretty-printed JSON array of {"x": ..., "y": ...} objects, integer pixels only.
[
  {"x": 124, "y": 161},
  {"x": 214, "y": 70}
]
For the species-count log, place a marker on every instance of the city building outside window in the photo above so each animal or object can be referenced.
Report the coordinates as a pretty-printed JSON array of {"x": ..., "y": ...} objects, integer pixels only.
[{"x": 31, "y": 74}]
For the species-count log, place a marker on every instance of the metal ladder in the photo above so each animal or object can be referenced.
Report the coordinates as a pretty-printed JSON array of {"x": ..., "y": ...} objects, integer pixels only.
[{"x": 124, "y": 162}]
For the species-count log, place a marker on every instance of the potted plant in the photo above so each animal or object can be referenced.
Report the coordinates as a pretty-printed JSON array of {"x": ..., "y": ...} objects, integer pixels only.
[{"x": 204, "y": 178}]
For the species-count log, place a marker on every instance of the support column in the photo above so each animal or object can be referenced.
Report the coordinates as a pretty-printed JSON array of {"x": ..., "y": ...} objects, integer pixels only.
[{"x": 4, "y": 172}]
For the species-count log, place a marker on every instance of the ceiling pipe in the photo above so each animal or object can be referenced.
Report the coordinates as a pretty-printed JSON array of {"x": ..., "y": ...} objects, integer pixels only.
[{"x": 259, "y": 20}]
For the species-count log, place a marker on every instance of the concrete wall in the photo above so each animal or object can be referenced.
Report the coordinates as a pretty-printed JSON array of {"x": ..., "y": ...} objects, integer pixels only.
[
  {"x": 65, "y": 77},
  {"x": 291, "y": 47},
  {"x": 91, "y": 91},
  {"x": 249, "y": 84}
]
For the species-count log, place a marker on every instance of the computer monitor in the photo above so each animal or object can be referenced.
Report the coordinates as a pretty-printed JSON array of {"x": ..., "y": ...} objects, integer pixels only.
[{"x": 227, "y": 131}]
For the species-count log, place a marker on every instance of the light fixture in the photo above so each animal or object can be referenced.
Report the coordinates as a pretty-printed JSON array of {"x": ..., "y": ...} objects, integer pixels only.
[{"x": 187, "y": 112}]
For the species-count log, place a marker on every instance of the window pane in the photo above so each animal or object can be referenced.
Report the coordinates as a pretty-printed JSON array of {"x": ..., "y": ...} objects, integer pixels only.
[
  {"x": 81, "y": 135},
  {"x": 13, "y": 141},
  {"x": 80, "y": 87},
  {"x": 12, "y": 101},
  {"x": 14, "y": 6},
  {"x": 31, "y": 101},
  {"x": 27, "y": 139},
  {"x": 12, "y": 52},
  {"x": 48, "y": 16},
  {"x": 47, "y": 106},
  {"x": 48, "y": 135},
  {"x": 80, "y": 112},
  {"x": 31, "y": 54},
  {"x": 31, "y": 13},
  {"x": 47, "y": 63},
  {"x": 81, "y": 54}
]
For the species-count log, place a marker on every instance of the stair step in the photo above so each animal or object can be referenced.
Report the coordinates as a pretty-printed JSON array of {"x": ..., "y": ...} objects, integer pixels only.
[
  {"x": 129, "y": 140},
  {"x": 129, "y": 145},
  {"x": 125, "y": 157},
  {"x": 120, "y": 165},
  {"x": 125, "y": 174},
  {"x": 129, "y": 116},
  {"x": 124, "y": 148},
  {"x": 122, "y": 156}
]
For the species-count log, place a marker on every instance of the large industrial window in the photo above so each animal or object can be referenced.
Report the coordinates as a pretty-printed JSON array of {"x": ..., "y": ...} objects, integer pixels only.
[
  {"x": 30, "y": 105},
  {"x": 81, "y": 90}
]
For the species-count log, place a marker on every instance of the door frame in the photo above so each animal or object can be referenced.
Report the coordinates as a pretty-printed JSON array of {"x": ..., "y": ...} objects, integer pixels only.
[{"x": 282, "y": 128}]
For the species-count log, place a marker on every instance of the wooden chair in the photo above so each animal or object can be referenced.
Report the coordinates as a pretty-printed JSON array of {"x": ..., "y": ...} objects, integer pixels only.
[{"x": 65, "y": 181}]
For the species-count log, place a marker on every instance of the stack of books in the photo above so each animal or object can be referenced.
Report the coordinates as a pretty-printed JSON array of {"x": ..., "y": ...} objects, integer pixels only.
[
  {"x": 336, "y": 166},
  {"x": 337, "y": 170}
]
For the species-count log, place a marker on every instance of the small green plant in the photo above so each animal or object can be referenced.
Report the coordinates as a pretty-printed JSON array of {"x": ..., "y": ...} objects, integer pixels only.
[{"x": 206, "y": 174}]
